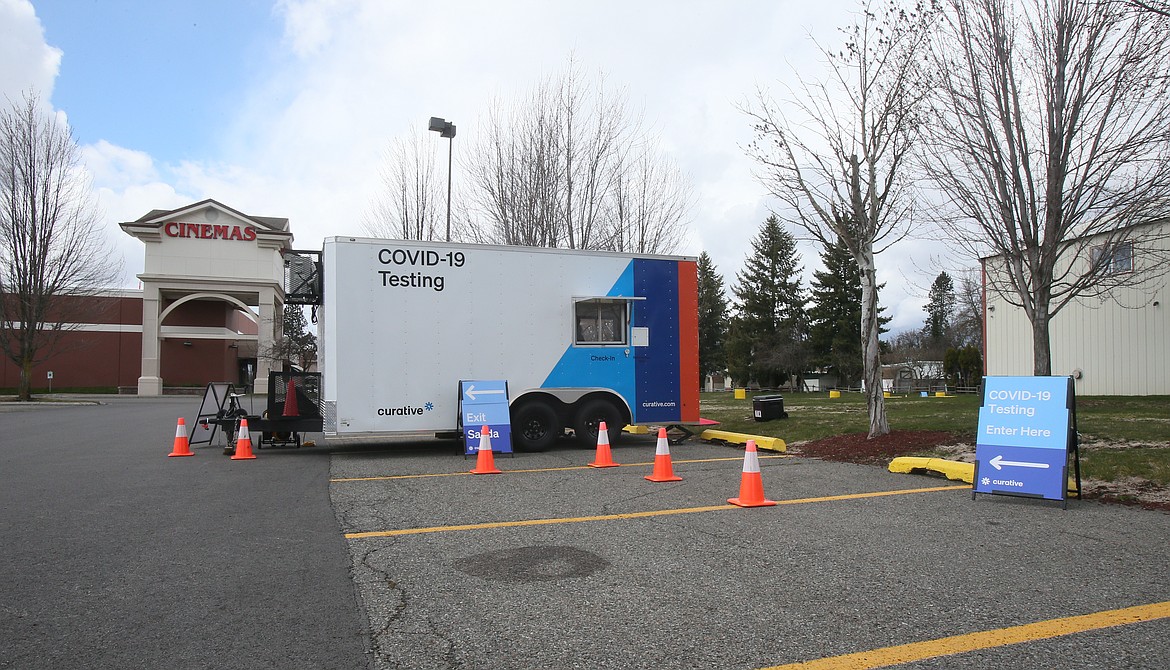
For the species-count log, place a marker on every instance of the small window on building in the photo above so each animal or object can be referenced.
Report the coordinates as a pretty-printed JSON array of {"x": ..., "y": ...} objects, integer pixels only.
[
  {"x": 600, "y": 321},
  {"x": 1111, "y": 260}
]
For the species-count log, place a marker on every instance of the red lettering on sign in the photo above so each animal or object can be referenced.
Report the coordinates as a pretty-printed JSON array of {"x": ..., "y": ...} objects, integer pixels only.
[{"x": 207, "y": 231}]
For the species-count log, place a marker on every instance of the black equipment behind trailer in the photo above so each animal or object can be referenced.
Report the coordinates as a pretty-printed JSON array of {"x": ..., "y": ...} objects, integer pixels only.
[{"x": 293, "y": 407}]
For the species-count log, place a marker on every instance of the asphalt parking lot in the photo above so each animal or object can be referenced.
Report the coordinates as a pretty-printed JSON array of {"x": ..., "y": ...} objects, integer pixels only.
[{"x": 386, "y": 554}]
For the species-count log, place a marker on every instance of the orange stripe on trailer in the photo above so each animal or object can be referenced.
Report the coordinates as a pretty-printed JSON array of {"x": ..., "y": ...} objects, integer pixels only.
[{"x": 688, "y": 340}]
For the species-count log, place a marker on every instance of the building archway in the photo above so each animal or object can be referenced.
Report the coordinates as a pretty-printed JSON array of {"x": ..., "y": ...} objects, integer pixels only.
[{"x": 208, "y": 252}]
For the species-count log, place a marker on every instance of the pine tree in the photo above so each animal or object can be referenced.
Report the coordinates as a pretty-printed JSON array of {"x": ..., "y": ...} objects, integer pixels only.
[
  {"x": 767, "y": 342},
  {"x": 938, "y": 330},
  {"x": 940, "y": 307},
  {"x": 712, "y": 319},
  {"x": 297, "y": 345},
  {"x": 835, "y": 315}
]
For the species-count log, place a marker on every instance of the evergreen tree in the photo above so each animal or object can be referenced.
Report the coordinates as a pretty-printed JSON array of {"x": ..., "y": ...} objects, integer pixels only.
[
  {"x": 940, "y": 307},
  {"x": 963, "y": 366},
  {"x": 767, "y": 342},
  {"x": 712, "y": 319},
  {"x": 835, "y": 316},
  {"x": 297, "y": 345}
]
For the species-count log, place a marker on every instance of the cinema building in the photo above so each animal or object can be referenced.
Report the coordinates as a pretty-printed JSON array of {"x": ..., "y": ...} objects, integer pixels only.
[{"x": 210, "y": 309}]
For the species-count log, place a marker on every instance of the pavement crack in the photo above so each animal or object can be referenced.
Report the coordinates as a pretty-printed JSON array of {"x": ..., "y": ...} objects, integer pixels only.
[{"x": 384, "y": 601}]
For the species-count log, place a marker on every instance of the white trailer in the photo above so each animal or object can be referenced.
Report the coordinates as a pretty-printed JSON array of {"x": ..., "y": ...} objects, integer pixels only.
[{"x": 579, "y": 337}]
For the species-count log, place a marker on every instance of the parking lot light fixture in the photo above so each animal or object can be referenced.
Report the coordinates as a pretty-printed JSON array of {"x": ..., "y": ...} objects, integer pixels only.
[{"x": 446, "y": 129}]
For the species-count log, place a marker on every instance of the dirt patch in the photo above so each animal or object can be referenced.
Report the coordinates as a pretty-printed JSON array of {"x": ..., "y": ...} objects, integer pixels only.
[{"x": 858, "y": 448}]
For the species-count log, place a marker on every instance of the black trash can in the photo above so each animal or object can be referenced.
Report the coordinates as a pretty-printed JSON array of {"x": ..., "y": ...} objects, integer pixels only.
[{"x": 769, "y": 407}]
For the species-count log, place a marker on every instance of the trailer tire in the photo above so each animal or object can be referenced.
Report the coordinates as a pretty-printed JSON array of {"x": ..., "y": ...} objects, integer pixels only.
[
  {"x": 535, "y": 426},
  {"x": 589, "y": 418}
]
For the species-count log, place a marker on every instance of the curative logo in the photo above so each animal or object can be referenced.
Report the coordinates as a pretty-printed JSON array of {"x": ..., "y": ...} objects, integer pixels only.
[{"x": 405, "y": 410}]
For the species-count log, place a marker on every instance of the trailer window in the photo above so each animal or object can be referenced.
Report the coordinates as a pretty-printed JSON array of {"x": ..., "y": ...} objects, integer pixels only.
[{"x": 600, "y": 322}]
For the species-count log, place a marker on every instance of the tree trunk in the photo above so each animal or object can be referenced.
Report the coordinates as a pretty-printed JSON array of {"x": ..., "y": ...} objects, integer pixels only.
[
  {"x": 875, "y": 399},
  {"x": 24, "y": 392},
  {"x": 1041, "y": 347}
]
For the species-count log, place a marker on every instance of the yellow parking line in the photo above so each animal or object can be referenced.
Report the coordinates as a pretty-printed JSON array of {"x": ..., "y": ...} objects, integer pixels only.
[
  {"x": 958, "y": 644},
  {"x": 568, "y": 467},
  {"x": 532, "y": 522},
  {"x": 631, "y": 515}
]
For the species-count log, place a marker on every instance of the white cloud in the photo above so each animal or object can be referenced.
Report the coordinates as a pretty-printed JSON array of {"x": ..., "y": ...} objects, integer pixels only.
[
  {"x": 27, "y": 63},
  {"x": 307, "y": 140},
  {"x": 116, "y": 167}
]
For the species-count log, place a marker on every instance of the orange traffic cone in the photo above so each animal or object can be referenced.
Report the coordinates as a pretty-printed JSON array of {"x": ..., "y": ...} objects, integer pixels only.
[
  {"x": 485, "y": 462},
  {"x": 663, "y": 472},
  {"x": 603, "y": 459},
  {"x": 243, "y": 443},
  {"x": 290, "y": 400},
  {"x": 182, "y": 446},
  {"x": 751, "y": 486}
]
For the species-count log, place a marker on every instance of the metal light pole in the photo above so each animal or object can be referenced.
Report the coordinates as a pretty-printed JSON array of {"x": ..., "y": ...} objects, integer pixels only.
[{"x": 446, "y": 129}]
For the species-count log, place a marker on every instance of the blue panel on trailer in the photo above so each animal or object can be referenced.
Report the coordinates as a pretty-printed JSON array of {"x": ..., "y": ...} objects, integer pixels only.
[{"x": 658, "y": 396}]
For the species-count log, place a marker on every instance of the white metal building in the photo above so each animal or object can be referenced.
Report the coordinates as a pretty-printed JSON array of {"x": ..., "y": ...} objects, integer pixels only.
[{"x": 1114, "y": 345}]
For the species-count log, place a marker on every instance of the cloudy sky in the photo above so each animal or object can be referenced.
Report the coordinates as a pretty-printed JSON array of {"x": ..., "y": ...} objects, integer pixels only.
[{"x": 286, "y": 107}]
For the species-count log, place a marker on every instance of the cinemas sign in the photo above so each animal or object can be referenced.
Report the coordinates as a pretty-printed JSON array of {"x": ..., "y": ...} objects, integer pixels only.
[{"x": 209, "y": 231}]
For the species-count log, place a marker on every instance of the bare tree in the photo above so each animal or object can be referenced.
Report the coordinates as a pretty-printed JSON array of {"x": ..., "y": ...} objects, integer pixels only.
[
  {"x": 1154, "y": 6},
  {"x": 838, "y": 159},
  {"x": 650, "y": 197},
  {"x": 410, "y": 206},
  {"x": 1049, "y": 141},
  {"x": 571, "y": 167},
  {"x": 53, "y": 254},
  {"x": 517, "y": 171},
  {"x": 967, "y": 328}
]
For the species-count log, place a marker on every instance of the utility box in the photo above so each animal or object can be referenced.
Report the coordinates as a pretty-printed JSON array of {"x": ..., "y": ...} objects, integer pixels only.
[{"x": 769, "y": 407}]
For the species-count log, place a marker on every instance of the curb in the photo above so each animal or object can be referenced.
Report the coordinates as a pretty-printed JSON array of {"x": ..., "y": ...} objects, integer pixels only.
[
  {"x": 769, "y": 443},
  {"x": 956, "y": 470}
]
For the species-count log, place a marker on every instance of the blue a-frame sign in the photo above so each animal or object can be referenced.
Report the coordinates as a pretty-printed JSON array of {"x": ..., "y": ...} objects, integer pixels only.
[
  {"x": 485, "y": 403},
  {"x": 1027, "y": 437}
]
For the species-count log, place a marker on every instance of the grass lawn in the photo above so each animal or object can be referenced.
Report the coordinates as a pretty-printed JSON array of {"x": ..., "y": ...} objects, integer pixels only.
[{"x": 1121, "y": 436}]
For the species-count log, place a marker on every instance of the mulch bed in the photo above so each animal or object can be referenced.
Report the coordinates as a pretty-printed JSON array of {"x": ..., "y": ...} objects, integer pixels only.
[{"x": 858, "y": 448}]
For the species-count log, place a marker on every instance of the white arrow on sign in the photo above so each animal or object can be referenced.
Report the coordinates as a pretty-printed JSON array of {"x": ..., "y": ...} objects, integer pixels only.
[
  {"x": 998, "y": 463},
  {"x": 470, "y": 392}
]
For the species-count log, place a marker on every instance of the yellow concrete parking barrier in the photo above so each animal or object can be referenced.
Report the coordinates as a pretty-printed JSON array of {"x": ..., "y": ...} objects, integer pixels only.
[
  {"x": 769, "y": 443},
  {"x": 956, "y": 470}
]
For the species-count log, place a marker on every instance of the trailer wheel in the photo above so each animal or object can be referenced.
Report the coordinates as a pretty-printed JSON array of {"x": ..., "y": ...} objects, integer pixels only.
[
  {"x": 535, "y": 426},
  {"x": 589, "y": 418}
]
